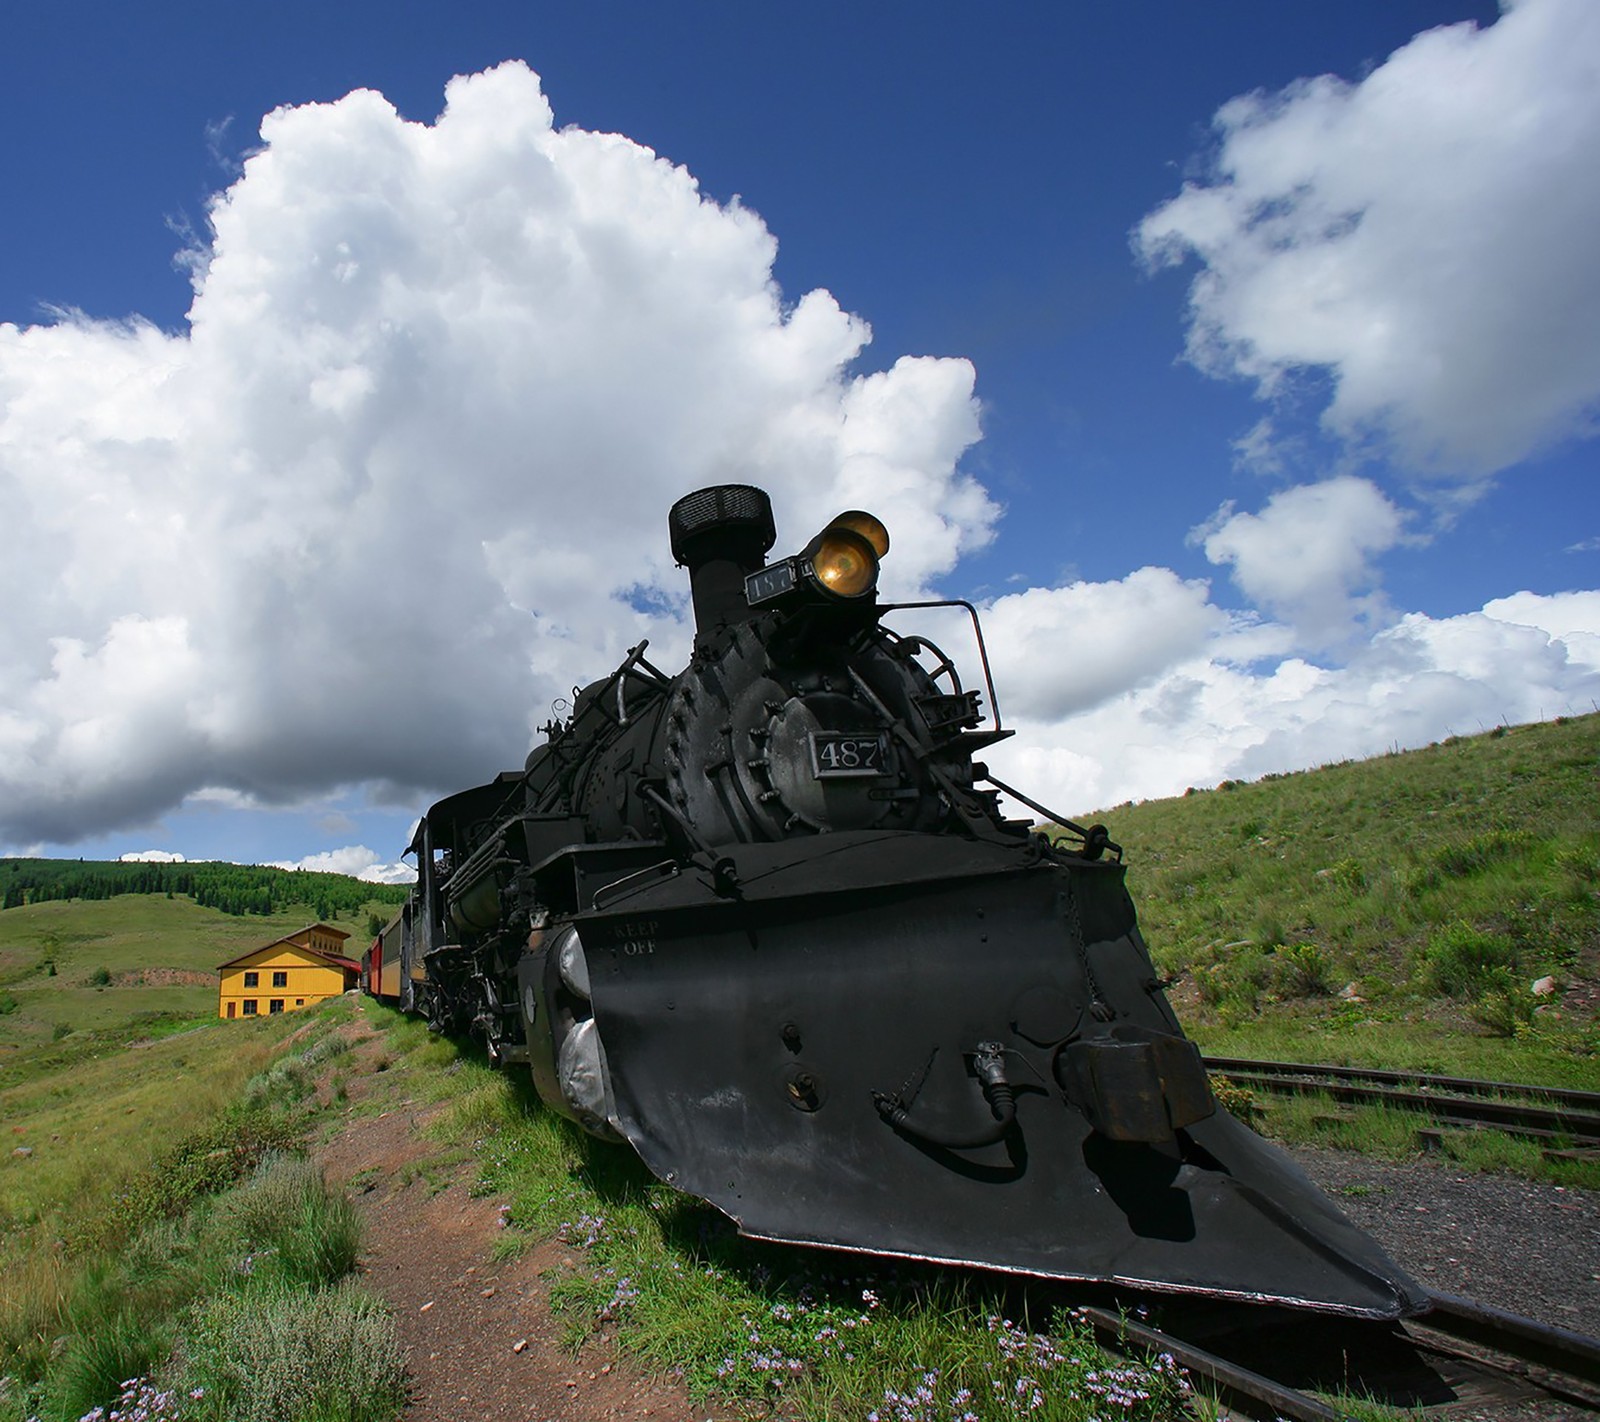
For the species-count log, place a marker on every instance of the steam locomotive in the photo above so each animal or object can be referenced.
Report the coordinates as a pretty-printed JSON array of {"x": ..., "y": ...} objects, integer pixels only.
[{"x": 765, "y": 922}]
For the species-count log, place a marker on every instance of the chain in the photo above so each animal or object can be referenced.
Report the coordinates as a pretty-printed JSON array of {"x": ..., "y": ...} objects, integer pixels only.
[{"x": 1098, "y": 1007}]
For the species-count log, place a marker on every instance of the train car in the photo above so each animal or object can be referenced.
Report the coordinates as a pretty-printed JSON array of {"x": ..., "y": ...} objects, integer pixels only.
[
  {"x": 381, "y": 966},
  {"x": 764, "y": 922}
]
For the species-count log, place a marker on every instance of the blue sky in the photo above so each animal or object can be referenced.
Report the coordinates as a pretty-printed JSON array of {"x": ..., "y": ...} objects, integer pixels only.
[{"x": 1248, "y": 419}]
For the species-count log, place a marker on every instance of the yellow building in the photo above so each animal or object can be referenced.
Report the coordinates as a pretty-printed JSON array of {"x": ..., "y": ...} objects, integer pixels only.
[{"x": 293, "y": 972}]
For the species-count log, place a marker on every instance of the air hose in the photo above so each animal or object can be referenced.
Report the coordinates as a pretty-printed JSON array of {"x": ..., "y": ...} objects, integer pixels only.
[{"x": 988, "y": 1064}]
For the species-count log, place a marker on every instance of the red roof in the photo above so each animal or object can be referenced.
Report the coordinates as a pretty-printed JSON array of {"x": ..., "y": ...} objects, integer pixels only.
[{"x": 332, "y": 959}]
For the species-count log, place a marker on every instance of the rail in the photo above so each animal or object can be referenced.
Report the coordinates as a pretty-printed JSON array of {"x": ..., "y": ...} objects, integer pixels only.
[
  {"x": 1460, "y": 1352},
  {"x": 1538, "y": 1112},
  {"x": 1562, "y": 1362}
]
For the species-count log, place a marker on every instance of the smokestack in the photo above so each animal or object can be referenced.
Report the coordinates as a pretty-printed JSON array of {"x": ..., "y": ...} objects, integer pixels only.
[{"x": 720, "y": 535}]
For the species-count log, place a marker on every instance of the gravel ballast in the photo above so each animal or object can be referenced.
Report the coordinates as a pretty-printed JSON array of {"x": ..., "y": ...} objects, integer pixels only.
[{"x": 1520, "y": 1245}]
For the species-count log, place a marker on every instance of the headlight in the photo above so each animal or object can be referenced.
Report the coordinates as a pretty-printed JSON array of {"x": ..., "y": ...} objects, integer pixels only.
[
  {"x": 843, "y": 562},
  {"x": 840, "y": 563}
]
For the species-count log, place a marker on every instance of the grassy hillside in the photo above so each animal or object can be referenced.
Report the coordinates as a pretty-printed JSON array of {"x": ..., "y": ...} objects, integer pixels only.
[
  {"x": 164, "y": 1249},
  {"x": 1397, "y": 910},
  {"x": 75, "y": 965},
  {"x": 158, "y": 1229}
]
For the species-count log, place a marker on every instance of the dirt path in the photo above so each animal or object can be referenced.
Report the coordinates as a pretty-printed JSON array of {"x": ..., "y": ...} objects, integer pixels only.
[{"x": 480, "y": 1337}]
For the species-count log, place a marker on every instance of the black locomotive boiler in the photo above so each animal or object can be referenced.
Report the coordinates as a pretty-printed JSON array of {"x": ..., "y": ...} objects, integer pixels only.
[{"x": 764, "y": 922}]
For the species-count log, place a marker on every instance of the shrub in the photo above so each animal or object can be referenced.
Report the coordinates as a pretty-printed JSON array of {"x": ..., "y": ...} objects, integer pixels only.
[
  {"x": 1268, "y": 927},
  {"x": 1418, "y": 879},
  {"x": 1473, "y": 856},
  {"x": 1581, "y": 865},
  {"x": 1347, "y": 874},
  {"x": 291, "y": 1226},
  {"x": 1462, "y": 960},
  {"x": 1236, "y": 981},
  {"x": 282, "y": 1084},
  {"x": 1506, "y": 1008},
  {"x": 1304, "y": 971},
  {"x": 270, "y": 1353},
  {"x": 324, "y": 1049},
  {"x": 7, "y": 1003},
  {"x": 1237, "y": 1100},
  {"x": 101, "y": 977}
]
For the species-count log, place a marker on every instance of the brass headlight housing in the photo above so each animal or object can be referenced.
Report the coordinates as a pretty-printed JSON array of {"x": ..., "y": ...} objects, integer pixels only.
[{"x": 869, "y": 526}]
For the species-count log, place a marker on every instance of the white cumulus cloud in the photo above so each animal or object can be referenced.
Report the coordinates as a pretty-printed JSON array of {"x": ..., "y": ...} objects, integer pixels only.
[
  {"x": 1309, "y": 556},
  {"x": 1425, "y": 236},
  {"x": 356, "y": 860},
  {"x": 1220, "y": 714},
  {"x": 403, "y": 478},
  {"x": 1057, "y": 651}
]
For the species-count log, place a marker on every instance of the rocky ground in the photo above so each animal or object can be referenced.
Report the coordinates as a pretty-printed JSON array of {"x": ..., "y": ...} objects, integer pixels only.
[
  {"x": 483, "y": 1342},
  {"x": 1520, "y": 1245}
]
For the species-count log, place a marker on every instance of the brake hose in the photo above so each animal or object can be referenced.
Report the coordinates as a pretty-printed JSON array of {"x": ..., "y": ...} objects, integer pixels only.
[{"x": 988, "y": 1062}]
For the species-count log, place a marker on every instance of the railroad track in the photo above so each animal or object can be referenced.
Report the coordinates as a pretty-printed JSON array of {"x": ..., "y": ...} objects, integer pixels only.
[
  {"x": 1268, "y": 1364},
  {"x": 1549, "y": 1114}
]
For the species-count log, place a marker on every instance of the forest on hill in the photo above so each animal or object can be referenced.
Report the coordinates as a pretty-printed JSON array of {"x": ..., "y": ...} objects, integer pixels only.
[{"x": 230, "y": 888}]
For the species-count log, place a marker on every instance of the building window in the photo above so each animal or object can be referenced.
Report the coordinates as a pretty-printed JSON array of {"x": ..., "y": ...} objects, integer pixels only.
[
  {"x": 280, "y": 979},
  {"x": 252, "y": 979},
  {"x": 249, "y": 1007},
  {"x": 299, "y": 1002},
  {"x": 276, "y": 1005}
]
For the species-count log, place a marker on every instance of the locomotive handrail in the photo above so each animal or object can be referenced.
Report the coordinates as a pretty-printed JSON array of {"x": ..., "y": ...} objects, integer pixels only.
[
  {"x": 664, "y": 869},
  {"x": 636, "y": 659},
  {"x": 647, "y": 791},
  {"x": 1095, "y": 840},
  {"x": 977, "y": 631}
]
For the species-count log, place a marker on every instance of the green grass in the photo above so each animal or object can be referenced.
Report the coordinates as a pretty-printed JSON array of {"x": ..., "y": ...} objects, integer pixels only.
[
  {"x": 93, "y": 1117},
  {"x": 179, "y": 1240},
  {"x": 239, "y": 1307},
  {"x": 1397, "y": 1134},
  {"x": 1389, "y": 912}
]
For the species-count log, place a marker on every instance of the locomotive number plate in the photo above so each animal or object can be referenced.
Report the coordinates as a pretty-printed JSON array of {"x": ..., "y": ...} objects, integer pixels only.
[{"x": 841, "y": 753}]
